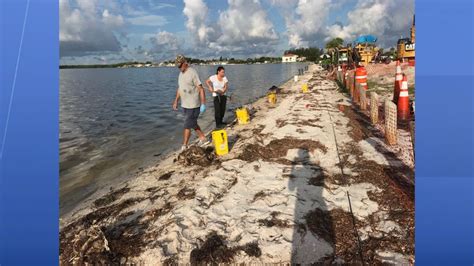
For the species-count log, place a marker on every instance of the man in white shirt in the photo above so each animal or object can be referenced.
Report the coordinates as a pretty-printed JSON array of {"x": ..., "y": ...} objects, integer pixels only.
[{"x": 193, "y": 100}]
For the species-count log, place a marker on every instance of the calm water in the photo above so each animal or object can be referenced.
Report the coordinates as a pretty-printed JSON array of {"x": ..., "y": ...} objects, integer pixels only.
[{"x": 114, "y": 121}]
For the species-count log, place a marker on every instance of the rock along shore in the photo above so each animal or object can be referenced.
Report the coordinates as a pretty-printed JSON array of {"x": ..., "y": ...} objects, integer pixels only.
[{"x": 279, "y": 196}]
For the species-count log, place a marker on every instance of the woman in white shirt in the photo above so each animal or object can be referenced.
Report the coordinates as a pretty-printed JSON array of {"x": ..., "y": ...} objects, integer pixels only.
[{"x": 218, "y": 85}]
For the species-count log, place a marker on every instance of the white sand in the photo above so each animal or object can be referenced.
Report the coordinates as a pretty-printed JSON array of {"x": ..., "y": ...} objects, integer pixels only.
[{"x": 225, "y": 197}]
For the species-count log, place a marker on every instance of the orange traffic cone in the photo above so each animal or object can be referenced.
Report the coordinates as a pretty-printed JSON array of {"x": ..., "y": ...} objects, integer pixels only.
[
  {"x": 361, "y": 77},
  {"x": 403, "y": 110},
  {"x": 398, "y": 81}
]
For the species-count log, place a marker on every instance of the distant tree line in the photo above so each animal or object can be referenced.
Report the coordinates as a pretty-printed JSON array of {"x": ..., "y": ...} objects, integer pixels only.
[
  {"x": 122, "y": 64},
  {"x": 311, "y": 53},
  {"x": 231, "y": 60}
]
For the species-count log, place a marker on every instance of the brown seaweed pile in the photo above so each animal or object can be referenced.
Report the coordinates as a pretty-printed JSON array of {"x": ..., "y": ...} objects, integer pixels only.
[
  {"x": 278, "y": 148},
  {"x": 196, "y": 155},
  {"x": 215, "y": 251}
]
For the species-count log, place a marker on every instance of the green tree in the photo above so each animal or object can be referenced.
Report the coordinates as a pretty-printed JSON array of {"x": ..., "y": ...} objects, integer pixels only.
[
  {"x": 311, "y": 53},
  {"x": 392, "y": 52},
  {"x": 334, "y": 43}
]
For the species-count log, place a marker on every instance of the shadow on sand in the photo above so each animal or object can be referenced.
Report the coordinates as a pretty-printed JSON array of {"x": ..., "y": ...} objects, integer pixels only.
[{"x": 313, "y": 234}]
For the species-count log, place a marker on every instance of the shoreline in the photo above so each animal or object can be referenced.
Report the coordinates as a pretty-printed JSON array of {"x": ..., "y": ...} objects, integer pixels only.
[
  {"x": 130, "y": 65},
  {"x": 278, "y": 196},
  {"x": 151, "y": 162}
]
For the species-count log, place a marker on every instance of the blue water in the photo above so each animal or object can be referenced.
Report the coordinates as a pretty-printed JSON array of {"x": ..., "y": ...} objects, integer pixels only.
[{"x": 114, "y": 121}]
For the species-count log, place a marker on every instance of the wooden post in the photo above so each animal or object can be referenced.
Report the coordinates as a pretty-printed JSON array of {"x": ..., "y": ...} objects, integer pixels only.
[
  {"x": 390, "y": 122},
  {"x": 363, "y": 98},
  {"x": 351, "y": 82},
  {"x": 345, "y": 82},
  {"x": 357, "y": 92},
  {"x": 412, "y": 132},
  {"x": 374, "y": 108}
]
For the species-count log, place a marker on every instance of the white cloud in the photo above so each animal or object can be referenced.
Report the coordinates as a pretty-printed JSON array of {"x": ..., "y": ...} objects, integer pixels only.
[
  {"x": 385, "y": 19},
  {"x": 148, "y": 20},
  {"x": 134, "y": 12},
  {"x": 245, "y": 22},
  {"x": 88, "y": 6},
  {"x": 284, "y": 3},
  {"x": 312, "y": 15},
  {"x": 112, "y": 21},
  {"x": 196, "y": 12},
  {"x": 85, "y": 30},
  {"x": 164, "y": 42},
  {"x": 158, "y": 6},
  {"x": 243, "y": 27},
  {"x": 306, "y": 22},
  {"x": 140, "y": 8}
]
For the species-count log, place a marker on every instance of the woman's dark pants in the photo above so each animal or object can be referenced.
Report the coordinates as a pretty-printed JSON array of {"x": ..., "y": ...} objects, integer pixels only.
[{"x": 219, "y": 108}]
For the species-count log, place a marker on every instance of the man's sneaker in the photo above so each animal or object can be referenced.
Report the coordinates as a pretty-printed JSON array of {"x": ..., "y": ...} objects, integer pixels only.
[
  {"x": 202, "y": 143},
  {"x": 183, "y": 147}
]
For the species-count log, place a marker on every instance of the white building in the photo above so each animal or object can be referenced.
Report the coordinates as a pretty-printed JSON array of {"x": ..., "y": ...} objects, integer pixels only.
[
  {"x": 287, "y": 58},
  {"x": 301, "y": 59}
]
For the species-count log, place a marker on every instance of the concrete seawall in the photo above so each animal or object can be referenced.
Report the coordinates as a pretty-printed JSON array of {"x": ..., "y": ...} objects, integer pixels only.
[{"x": 309, "y": 180}]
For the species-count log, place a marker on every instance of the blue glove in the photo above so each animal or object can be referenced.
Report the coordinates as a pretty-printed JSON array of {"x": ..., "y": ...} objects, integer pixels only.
[{"x": 202, "y": 109}]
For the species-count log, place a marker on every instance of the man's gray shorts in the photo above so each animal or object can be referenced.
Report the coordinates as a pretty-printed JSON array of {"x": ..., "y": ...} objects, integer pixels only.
[{"x": 191, "y": 117}]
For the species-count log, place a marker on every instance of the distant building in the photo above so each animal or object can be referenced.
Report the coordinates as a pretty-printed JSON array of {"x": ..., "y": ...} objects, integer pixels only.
[
  {"x": 289, "y": 58},
  {"x": 301, "y": 59}
]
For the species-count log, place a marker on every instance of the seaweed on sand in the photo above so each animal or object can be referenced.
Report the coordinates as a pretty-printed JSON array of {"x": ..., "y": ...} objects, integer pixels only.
[
  {"x": 166, "y": 176},
  {"x": 111, "y": 197},
  {"x": 186, "y": 193},
  {"x": 215, "y": 251},
  {"x": 196, "y": 155},
  {"x": 99, "y": 239},
  {"x": 278, "y": 148},
  {"x": 273, "y": 221}
]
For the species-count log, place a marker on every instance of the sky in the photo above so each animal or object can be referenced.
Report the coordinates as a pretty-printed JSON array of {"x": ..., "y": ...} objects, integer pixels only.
[{"x": 111, "y": 31}]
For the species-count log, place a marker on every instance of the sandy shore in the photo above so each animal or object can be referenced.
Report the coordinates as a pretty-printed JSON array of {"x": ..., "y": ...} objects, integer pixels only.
[{"x": 279, "y": 196}]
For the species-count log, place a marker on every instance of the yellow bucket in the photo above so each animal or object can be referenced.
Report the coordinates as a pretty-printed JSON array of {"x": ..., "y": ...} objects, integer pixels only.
[
  {"x": 242, "y": 115},
  {"x": 272, "y": 98},
  {"x": 304, "y": 88},
  {"x": 219, "y": 138}
]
